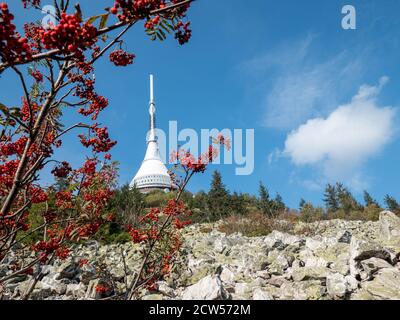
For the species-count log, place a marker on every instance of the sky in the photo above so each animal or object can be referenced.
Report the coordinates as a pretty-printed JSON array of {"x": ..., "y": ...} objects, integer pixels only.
[{"x": 323, "y": 101}]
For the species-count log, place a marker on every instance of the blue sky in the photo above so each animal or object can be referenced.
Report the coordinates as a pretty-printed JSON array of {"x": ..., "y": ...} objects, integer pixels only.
[{"x": 322, "y": 100}]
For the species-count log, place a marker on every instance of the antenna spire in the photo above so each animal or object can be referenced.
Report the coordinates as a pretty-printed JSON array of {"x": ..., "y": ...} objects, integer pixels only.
[
  {"x": 152, "y": 112},
  {"x": 151, "y": 89}
]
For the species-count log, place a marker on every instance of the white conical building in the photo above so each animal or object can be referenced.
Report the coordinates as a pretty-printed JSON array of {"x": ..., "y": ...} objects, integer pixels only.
[{"x": 153, "y": 174}]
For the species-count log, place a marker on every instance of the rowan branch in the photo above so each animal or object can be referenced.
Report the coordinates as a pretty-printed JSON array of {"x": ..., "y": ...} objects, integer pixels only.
[{"x": 52, "y": 53}]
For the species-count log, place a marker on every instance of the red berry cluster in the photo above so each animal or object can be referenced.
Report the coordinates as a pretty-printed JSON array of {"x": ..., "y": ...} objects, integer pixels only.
[
  {"x": 121, "y": 58},
  {"x": 62, "y": 170},
  {"x": 183, "y": 33},
  {"x": 7, "y": 172},
  {"x": 32, "y": 2},
  {"x": 13, "y": 148},
  {"x": 69, "y": 36},
  {"x": 13, "y": 47},
  {"x": 64, "y": 200},
  {"x": 32, "y": 32},
  {"x": 152, "y": 22},
  {"x": 89, "y": 167},
  {"x": 15, "y": 224},
  {"x": 28, "y": 110},
  {"x": 89, "y": 229},
  {"x": 37, "y": 75},
  {"x": 38, "y": 195},
  {"x": 85, "y": 91},
  {"x": 129, "y": 9},
  {"x": 101, "y": 142},
  {"x": 46, "y": 248}
]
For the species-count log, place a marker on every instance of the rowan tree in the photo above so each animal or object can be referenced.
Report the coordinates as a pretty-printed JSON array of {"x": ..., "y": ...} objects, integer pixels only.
[{"x": 55, "y": 66}]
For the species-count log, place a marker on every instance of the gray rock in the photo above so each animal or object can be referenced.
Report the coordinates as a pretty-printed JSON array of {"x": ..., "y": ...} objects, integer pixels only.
[
  {"x": 208, "y": 288},
  {"x": 336, "y": 285},
  {"x": 306, "y": 290},
  {"x": 372, "y": 265},
  {"x": 279, "y": 240},
  {"x": 227, "y": 276},
  {"x": 345, "y": 237},
  {"x": 75, "y": 290},
  {"x": 153, "y": 297},
  {"x": 68, "y": 270},
  {"x": 260, "y": 294},
  {"x": 87, "y": 273},
  {"x": 361, "y": 249},
  {"x": 277, "y": 281},
  {"x": 390, "y": 225},
  {"x": 310, "y": 273},
  {"x": 56, "y": 287},
  {"x": 385, "y": 285}
]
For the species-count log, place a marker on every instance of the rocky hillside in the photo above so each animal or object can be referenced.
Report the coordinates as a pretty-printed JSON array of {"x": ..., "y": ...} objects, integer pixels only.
[{"x": 345, "y": 260}]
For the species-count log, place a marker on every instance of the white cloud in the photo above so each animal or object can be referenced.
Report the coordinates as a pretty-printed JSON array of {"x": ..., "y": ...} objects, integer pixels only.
[
  {"x": 343, "y": 141},
  {"x": 304, "y": 85}
]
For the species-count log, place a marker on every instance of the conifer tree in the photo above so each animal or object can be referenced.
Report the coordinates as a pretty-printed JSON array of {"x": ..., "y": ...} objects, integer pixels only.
[
  {"x": 302, "y": 203},
  {"x": 278, "y": 205},
  {"x": 346, "y": 200},
  {"x": 264, "y": 202},
  {"x": 369, "y": 201},
  {"x": 392, "y": 204},
  {"x": 237, "y": 204},
  {"x": 129, "y": 203},
  {"x": 331, "y": 198},
  {"x": 218, "y": 197}
]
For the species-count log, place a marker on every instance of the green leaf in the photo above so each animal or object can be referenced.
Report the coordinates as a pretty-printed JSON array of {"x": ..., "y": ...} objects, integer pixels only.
[
  {"x": 150, "y": 31},
  {"x": 78, "y": 12},
  {"x": 103, "y": 21},
  {"x": 161, "y": 35},
  {"x": 104, "y": 37},
  {"x": 165, "y": 28},
  {"x": 92, "y": 19},
  {"x": 4, "y": 109}
]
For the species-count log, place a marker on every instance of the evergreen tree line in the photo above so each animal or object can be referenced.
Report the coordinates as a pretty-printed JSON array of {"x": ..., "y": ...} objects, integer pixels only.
[
  {"x": 337, "y": 197},
  {"x": 129, "y": 204}
]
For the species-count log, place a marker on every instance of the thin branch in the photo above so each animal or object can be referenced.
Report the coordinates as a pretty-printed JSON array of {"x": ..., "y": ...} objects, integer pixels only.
[
  {"x": 112, "y": 42},
  {"x": 78, "y": 125},
  {"x": 51, "y": 53}
]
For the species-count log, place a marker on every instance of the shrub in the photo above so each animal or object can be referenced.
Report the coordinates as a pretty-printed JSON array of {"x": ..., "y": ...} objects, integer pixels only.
[{"x": 252, "y": 225}]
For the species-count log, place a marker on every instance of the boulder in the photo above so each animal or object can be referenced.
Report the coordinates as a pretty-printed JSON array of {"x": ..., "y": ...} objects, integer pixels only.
[
  {"x": 75, "y": 290},
  {"x": 261, "y": 294},
  {"x": 372, "y": 265},
  {"x": 385, "y": 285},
  {"x": 278, "y": 240},
  {"x": 361, "y": 249},
  {"x": 344, "y": 237},
  {"x": 153, "y": 297},
  {"x": 279, "y": 263},
  {"x": 57, "y": 287},
  {"x": 68, "y": 270},
  {"x": 306, "y": 290},
  {"x": 208, "y": 288},
  {"x": 227, "y": 276},
  {"x": 277, "y": 281},
  {"x": 336, "y": 285},
  {"x": 86, "y": 273},
  {"x": 41, "y": 291},
  {"x": 389, "y": 225},
  {"x": 307, "y": 273}
]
